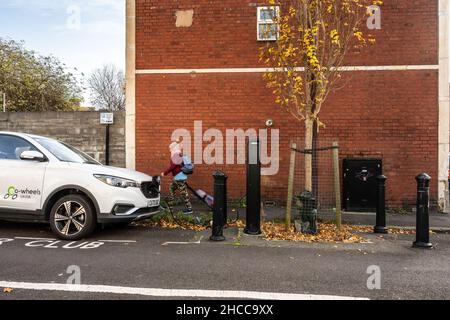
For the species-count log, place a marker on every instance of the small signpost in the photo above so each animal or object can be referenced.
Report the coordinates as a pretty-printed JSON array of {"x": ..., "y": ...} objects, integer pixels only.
[{"x": 107, "y": 118}]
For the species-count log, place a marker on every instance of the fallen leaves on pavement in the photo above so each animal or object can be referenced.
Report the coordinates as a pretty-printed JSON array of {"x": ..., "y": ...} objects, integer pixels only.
[
  {"x": 364, "y": 229},
  {"x": 237, "y": 224},
  {"x": 184, "y": 224},
  {"x": 402, "y": 231},
  {"x": 7, "y": 290},
  {"x": 170, "y": 224},
  {"x": 328, "y": 233}
]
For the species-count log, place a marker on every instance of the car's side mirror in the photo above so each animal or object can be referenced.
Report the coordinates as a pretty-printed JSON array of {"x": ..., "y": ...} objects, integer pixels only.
[{"x": 32, "y": 156}]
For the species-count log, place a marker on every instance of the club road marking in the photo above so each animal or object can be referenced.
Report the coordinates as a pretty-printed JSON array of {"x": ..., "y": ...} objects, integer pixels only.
[
  {"x": 51, "y": 239},
  {"x": 173, "y": 293}
]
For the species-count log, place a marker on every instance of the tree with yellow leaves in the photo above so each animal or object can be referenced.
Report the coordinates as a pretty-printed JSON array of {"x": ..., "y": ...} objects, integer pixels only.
[{"x": 313, "y": 39}]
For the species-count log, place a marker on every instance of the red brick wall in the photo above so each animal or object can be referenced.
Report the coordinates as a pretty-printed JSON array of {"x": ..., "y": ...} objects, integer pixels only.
[
  {"x": 223, "y": 34},
  {"x": 384, "y": 114}
]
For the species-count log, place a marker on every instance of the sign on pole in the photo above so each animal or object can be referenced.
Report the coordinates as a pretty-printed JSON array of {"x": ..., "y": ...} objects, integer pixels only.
[{"x": 106, "y": 118}]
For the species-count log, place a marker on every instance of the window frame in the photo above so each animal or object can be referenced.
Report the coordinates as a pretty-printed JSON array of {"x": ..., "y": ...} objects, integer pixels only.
[
  {"x": 22, "y": 139},
  {"x": 260, "y": 22},
  {"x": 76, "y": 151}
]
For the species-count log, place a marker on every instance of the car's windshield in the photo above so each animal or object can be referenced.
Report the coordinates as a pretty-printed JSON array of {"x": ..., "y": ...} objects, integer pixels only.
[{"x": 64, "y": 152}]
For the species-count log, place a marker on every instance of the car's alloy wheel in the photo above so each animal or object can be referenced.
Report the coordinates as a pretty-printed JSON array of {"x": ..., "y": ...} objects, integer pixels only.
[
  {"x": 73, "y": 217},
  {"x": 70, "y": 218}
]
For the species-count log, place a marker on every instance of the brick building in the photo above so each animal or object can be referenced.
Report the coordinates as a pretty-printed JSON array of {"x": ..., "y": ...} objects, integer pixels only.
[{"x": 198, "y": 60}]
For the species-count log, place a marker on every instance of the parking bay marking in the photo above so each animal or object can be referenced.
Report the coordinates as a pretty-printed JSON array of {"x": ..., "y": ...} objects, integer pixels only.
[
  {"x": 35, "y": 239},
  {"x": 179, "y": 293},
  {"x": 119, "y": 241}
]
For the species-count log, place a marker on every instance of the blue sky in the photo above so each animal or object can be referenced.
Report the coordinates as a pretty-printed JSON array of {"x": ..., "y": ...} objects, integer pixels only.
[{"x": 83, "y": 34}]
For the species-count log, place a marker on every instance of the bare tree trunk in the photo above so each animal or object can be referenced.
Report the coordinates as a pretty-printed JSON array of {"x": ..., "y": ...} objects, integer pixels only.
[
  {"x": 315, "y": 160},
  {"x": 309, "y": 128},
  {"x": 311, "y": 157},
  {"x": 311, "y": 133}
]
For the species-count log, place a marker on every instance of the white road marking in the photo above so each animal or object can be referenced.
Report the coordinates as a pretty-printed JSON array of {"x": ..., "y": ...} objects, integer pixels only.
[
  {"x": 50, "y": 239},
  {"x": 37, "y": 239},
  {"x": 264, "y": 70},
  {"x": 172, "y": 293},
  {"x": 119, "y": 241},
  {"x": 197, "y": 242},
  {"x": 5, "y": 240}
]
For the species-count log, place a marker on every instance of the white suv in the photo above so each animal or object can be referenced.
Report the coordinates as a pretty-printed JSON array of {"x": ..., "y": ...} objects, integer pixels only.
[{"x": 42, "y": 179}]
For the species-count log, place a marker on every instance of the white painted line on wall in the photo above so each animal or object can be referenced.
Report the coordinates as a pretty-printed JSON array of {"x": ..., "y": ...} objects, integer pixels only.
[
  {"x": 215, "y": 70},
  {"x": 390, "y": 68},
  {"x": 171, "y": 293},
  {"x": 264, "y": 70}
]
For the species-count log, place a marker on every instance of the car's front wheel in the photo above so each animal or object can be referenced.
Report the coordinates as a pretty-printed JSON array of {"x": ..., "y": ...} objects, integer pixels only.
[{"x": 72, "y": 218}]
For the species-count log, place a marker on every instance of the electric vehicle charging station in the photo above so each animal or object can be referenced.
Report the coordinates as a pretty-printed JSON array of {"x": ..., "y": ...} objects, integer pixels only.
[
  {"x": 220, "y": 206},
  {"x": 253, "y": 219}
]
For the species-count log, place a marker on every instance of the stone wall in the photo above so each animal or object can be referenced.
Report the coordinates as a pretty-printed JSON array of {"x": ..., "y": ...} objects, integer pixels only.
[{"x": 80, "y": 129}]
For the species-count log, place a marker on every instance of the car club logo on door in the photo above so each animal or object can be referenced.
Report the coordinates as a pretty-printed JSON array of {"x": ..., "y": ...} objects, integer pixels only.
[{"x": 12, "y": 193}]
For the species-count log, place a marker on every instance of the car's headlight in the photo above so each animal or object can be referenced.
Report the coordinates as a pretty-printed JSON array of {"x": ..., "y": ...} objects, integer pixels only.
[{"x": 117, "y": 182}]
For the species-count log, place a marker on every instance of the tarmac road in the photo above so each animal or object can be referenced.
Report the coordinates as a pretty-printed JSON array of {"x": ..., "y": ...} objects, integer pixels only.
[{"x": 142, "y": 258}]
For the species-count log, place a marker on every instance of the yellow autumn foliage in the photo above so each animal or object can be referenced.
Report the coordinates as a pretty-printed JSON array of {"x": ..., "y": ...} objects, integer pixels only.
[{"x": 314, "y": 37}]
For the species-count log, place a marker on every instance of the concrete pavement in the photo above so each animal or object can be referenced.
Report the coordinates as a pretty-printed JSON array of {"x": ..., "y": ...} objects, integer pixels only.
[{"x": 438, "y": 221}]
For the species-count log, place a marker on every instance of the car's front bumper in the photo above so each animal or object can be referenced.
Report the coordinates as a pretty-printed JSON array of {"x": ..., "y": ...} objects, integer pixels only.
[
  {"x": 118, "y": 205},
  {"x": 108, "y": 197},
  {"x": 136, "y": 215}
]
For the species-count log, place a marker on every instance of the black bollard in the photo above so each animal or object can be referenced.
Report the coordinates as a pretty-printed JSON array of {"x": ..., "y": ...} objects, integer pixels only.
[
  {"x": 380, "y": 226},
  {"x": 253, "y": 219},
  {"x": 423, "y": 222},
  {"x": 220, "y": 203}
]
